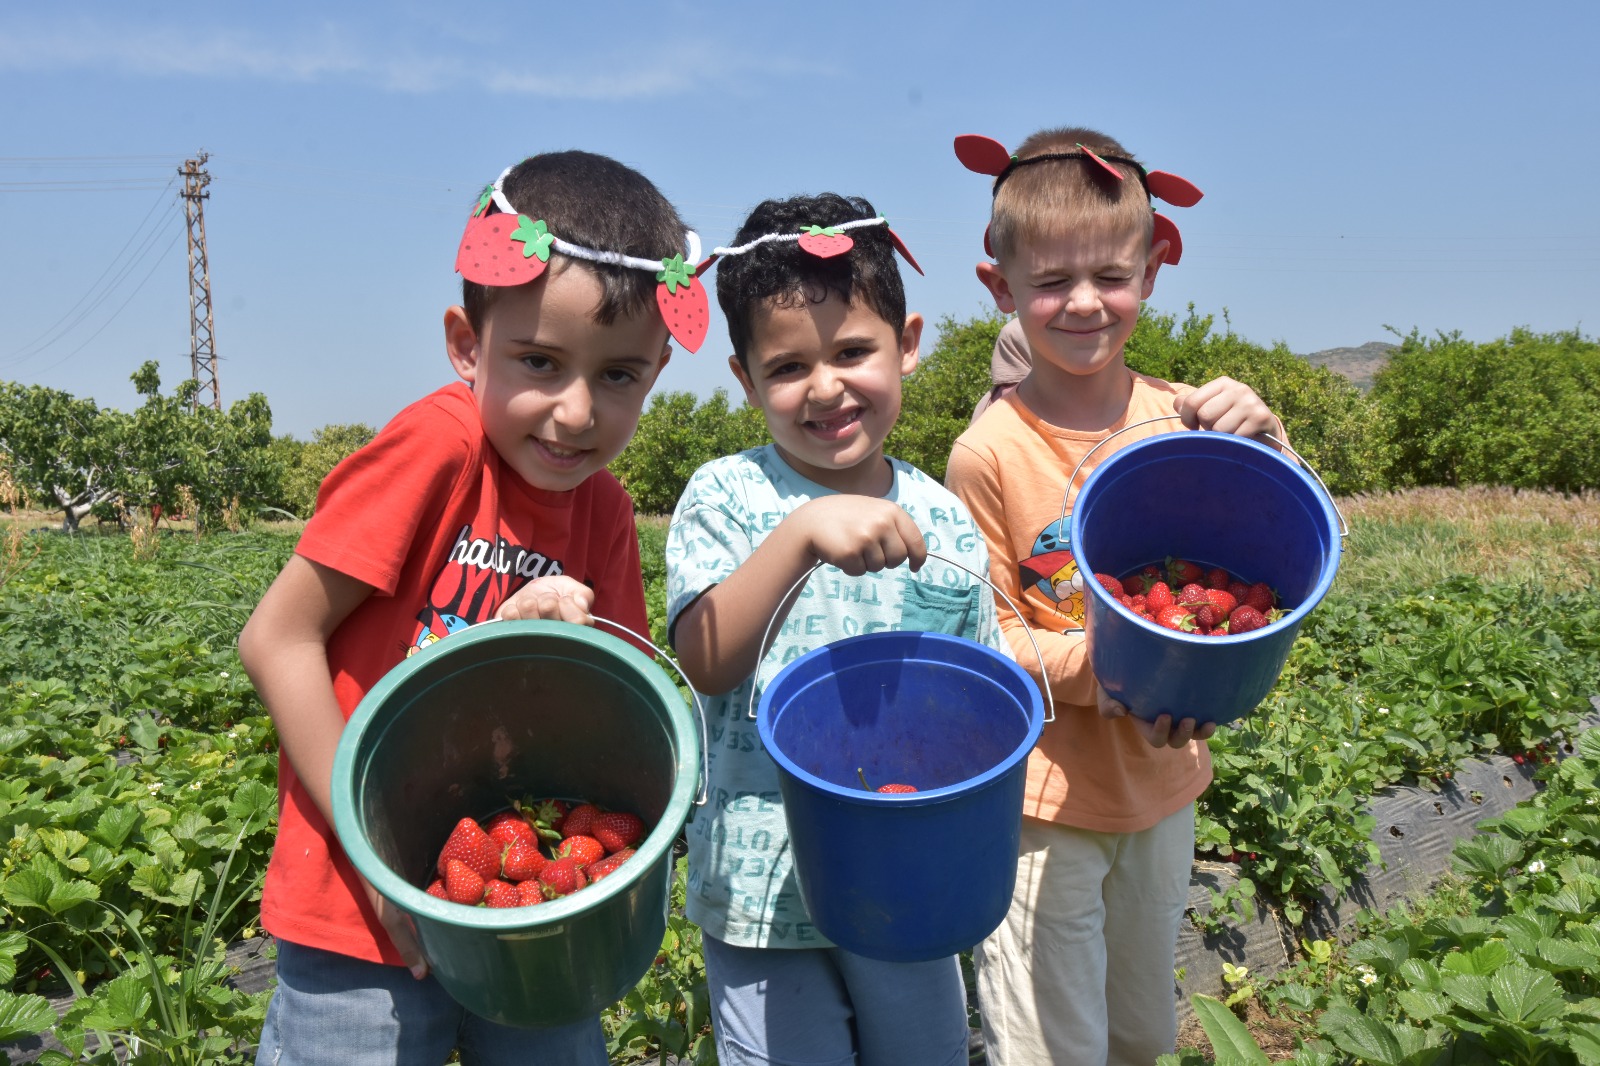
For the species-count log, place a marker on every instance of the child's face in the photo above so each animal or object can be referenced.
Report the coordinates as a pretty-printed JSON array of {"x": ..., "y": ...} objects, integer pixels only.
[
  {"x": 1077, "y": 296},
  {"x": 827, "y": 377},
  {"x": 559, "y": 394}
]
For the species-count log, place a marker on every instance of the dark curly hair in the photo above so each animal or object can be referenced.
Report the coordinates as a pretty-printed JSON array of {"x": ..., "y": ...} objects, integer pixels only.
[
  {"x": 596, "y": 202},
  {"x": 782, "y": 274}
]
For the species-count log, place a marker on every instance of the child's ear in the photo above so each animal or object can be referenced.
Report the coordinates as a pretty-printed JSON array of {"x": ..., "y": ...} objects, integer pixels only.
[
  {"x": 1158, "y": 255},
  {"x": 910, "y": 343},
  {"x": 745, "y": 383},
  {"x": 999, "y": 288},
  {"x": 461, "y": 343}
]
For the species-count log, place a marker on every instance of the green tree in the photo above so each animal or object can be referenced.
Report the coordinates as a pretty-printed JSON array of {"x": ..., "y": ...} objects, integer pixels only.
[
  {"x": 60, "y": 449},
  {"x": 938, "y": 398},
  {"x": 676, "y": 436},
  {"x": 306, "y": 464},
  {"x": 1522, "y": 411},
  {"x": 1341, "y": 434}
]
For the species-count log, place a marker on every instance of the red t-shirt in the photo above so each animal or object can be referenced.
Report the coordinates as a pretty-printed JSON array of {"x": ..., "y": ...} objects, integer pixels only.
[{"x": 444, "y": 531}]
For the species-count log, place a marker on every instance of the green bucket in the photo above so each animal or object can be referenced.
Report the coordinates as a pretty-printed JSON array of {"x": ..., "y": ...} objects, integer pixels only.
[{"x": 504, "y": 710}]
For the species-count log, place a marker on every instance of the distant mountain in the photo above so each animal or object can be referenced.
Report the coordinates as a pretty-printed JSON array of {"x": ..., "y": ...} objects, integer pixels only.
[{"x": 1357, "y": 364}]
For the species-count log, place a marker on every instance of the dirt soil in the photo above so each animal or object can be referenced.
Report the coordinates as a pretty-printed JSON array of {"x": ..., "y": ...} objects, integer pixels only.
[{"x": 1275, "y": 1036}]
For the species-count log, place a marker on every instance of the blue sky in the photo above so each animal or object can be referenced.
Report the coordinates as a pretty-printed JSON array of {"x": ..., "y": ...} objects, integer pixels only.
[{"x": 1427, "y": 165}]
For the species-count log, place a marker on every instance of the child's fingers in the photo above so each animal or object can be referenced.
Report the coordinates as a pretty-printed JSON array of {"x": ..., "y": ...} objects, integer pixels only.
[{"x": 914, "y": 547}]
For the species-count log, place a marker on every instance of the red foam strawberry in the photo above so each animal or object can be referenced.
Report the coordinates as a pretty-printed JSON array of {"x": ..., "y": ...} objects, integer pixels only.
[
  {"x": 561, "y": 878},
  {"x": 580, "y": 821},
  {"x": 498, "y": 893},
  {"x": 522, "y": 861},
  {"x": 462, "y": 883},
  {"x": 488, "y": 254},
  {"x": 581, "y": 849},
  {"x": 469, "y": 844},
  {"x": 1245, "y": 619},
  {"x": 608, "y": 865},
  {"x": 1113, "y": 586},
  {"x": 616, "y": 830},
  {"x": 682, "y": 301},
  {"x": 825, "y": 243}
]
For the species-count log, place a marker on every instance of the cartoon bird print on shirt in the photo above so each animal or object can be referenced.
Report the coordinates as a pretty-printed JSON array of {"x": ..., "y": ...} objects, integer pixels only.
[{"x": 1053, "y": 571}]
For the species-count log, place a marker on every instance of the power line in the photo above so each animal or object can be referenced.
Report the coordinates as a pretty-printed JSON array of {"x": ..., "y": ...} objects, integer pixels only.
[{"x": 148, "y": 275}]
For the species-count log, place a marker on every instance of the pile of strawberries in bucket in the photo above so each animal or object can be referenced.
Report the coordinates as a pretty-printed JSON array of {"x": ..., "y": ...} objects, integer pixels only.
[
  {"x": 538, "y": 850},
  {"x": 1183, "y": 596}
]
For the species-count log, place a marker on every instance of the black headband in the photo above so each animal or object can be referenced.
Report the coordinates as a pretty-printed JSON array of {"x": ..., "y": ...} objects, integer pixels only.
[{"x": 1079, "y": 154}]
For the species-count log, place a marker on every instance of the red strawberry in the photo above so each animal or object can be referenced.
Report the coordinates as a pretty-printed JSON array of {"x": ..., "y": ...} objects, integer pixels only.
[
  {"x": 616, "y": 830},
  {"x": 825, "y": 243},
  {"x": 1181, "y": 573},
  {"x": 437, "y": 889},
  {"x": 581, "y": 850},
  {"x": 1217, "y": 578},
  {"x": 1112, "y": 585},
  {"x": 522, "y": 861},
  {"x": 1261, "y": 597},
  {"x": 508, "y": 826},
  {"x": 561, "y": 878},
  {"x": 530, "y": 892},
  {"x": 1140, "y": 603},
  {"x": 462, "y": 883},
  {"x": 469, "y": 844},
  {"x": 1222, "y": 600},
  {"x": 1244, "y": 619},
  {"x": 1191, "y": 595},
  {"x": 580, "y": 821},
  {"x": 1158, "y": 595},
  {"x": 608, "y": 865},
  {"x": 500, "y": 893},
  {"x": 896, "y": 790},
  {"x": 682, "y": 302},
  {"x": 1175, "y": 617}
]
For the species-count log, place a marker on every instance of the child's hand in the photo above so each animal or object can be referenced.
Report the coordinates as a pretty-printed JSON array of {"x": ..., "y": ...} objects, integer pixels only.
[
  {"x": 860, "y": 534},
  {"x": 1226, "y": 406},
  {"x": 559, "y": 599},
  {"x": 1161, "y": 733},
  {"x": 402, "y": 933}
]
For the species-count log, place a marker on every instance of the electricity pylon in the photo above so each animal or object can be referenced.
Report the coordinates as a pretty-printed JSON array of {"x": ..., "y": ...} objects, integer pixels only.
[{"x": 202, "y": 350}]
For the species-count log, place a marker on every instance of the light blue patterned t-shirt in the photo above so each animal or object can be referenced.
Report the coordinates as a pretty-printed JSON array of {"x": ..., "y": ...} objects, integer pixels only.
[{"x": 741, "y": 886}]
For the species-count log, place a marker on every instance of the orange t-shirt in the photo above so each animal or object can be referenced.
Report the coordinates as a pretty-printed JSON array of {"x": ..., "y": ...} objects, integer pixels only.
[
  {"x": 431, "y": 517},
  {"x": 1011, "y": 470}
]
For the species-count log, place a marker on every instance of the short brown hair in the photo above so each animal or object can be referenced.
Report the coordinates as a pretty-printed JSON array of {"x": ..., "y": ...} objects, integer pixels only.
[
  {"x": 1058, "y": 196},
  {"x": 595, "y": 202}
]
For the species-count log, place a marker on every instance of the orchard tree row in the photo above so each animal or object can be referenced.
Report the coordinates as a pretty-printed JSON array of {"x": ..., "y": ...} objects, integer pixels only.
[{"x": 1522, "y": 411}]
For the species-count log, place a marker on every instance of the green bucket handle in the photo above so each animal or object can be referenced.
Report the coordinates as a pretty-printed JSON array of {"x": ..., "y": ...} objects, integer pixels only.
[
  {"x": 1044, "y": 672},
  {"x": 1344, "y": 527}
]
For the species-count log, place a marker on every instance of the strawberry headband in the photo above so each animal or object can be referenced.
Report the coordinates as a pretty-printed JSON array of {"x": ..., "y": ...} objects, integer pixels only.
[
  {"x": 984, "y": 155},
  {"x": 509, "y": 248},
  {"x": 824, "y": 242}
]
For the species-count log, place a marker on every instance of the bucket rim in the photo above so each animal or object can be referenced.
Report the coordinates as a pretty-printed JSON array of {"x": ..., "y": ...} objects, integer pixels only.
[
  {"x": 658, "y": 843},
  {"x": 989, "y": 778},
  {"x": 1219, "y": 443}
]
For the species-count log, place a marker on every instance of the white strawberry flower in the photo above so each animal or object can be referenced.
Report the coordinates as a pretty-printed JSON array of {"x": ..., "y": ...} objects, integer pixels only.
[{"x": 1536, "y": 867}]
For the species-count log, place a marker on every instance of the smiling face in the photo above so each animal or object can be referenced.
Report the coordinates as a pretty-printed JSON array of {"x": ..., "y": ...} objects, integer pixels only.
[
  {"x": 558, "y": 393},
  {"x": 1077, "y": 295},
  {"x": 827, "y": 377}
]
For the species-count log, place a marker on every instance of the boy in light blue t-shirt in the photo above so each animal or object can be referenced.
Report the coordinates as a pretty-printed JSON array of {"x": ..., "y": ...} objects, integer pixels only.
[{"x": 821, "y": 340}]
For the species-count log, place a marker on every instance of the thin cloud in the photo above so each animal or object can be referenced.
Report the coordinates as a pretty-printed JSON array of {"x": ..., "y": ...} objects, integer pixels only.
[{"x": 331, "y": 53}]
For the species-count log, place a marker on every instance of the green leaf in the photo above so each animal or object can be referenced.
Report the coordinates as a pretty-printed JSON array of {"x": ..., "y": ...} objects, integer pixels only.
[
  {"x": 1483, "y": 960},
  {"x": 28, "y": 887},
  {"x": 1470, "y": 991},
  {"x": 1230, "y": 1040},
  {"x": 114, "y": 825},
  {"x": 675, "y": 273},
  {"x": 534, "y": 237},
  {"x": 253, "y": 801},
  {"x": 1526, "y": 996},
  {"x": 1366, "y": 1038},
  {"x": 121, "y": 1004},
  {"x": 1584, "y": 1040},
  {"x": 24, "y": 1015},
  {"x": 68, "y": 894}
]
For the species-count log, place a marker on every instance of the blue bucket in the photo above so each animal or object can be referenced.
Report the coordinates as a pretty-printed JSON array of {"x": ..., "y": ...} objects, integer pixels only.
[
  {"x": 1244, "y": 508},
  {"x": 947, "y": 715}
]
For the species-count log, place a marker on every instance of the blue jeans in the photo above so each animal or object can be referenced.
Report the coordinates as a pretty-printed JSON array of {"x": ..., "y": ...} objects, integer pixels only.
[
  {"x": 333, "y": 1010},
  {"x": 827, "y": 1007}
]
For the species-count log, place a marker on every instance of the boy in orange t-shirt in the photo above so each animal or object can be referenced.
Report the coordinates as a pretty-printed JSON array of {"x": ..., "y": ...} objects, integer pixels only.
[{"x": 1081, "y": 969}]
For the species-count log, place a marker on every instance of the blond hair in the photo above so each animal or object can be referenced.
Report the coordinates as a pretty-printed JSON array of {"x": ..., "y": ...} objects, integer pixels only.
[{"x": 1067, "y": 191}]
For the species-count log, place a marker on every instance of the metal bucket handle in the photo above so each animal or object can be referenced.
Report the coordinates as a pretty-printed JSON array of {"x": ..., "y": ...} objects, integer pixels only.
[
  {"x": 1044, "y": 671},
  {"x": 699, "y": 711},
  {"x": 1344, "y": 527}
]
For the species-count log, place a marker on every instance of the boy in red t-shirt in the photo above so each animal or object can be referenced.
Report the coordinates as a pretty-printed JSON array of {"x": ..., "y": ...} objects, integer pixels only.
[{"x": 487, "y": 499}]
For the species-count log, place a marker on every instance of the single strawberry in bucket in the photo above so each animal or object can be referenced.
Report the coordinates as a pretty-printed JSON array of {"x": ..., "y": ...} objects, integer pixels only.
[{"x": 888, "y": 790}]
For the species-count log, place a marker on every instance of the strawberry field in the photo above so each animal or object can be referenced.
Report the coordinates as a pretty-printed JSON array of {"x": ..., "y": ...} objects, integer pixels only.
[{"x": 137, "y": 782}]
